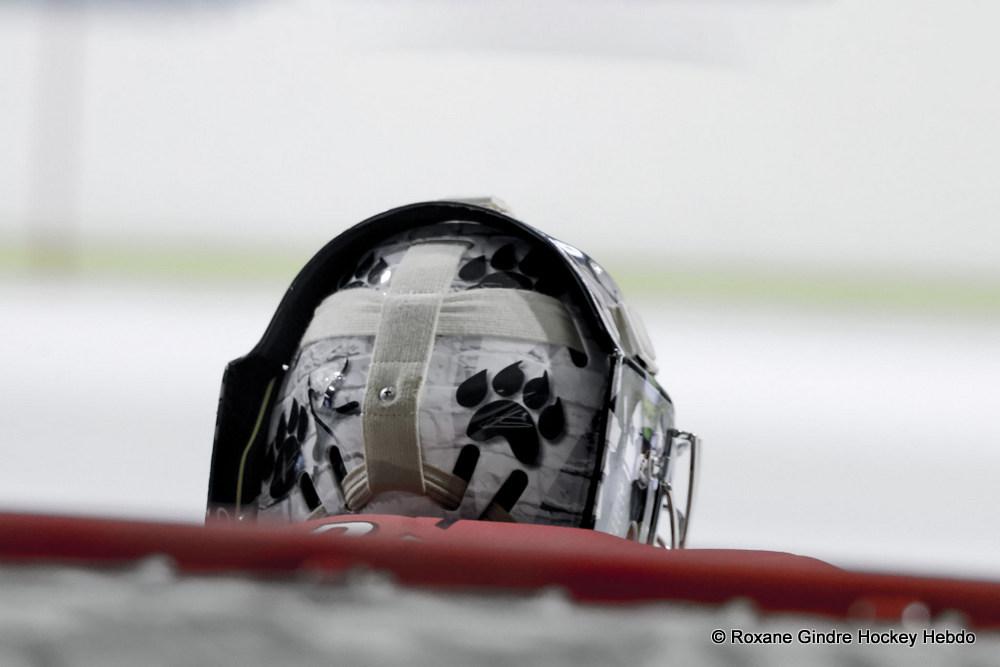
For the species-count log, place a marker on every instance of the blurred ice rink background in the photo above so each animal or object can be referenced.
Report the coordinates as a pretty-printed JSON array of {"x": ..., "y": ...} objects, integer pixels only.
[{"x": 801, "y": 195}]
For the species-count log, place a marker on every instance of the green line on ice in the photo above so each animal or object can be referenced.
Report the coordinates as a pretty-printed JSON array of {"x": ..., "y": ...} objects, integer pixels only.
[{"x": 187, "y": 264}]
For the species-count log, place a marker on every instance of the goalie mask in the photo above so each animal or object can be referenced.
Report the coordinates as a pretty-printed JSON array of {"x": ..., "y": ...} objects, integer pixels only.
[{"x": 444, "y": 359}]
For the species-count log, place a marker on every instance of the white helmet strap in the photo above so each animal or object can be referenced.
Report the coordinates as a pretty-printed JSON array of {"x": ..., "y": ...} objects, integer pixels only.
[{"x": 402, "y": 349}]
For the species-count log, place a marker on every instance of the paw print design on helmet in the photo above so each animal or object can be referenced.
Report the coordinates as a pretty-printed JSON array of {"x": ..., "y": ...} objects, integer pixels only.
[
  {"x": 283, "y": 461},
  {"x": 509, "y": 418}
]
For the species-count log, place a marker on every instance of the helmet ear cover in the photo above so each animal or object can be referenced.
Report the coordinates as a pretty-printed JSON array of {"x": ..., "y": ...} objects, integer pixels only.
[{"x": 250, "y": 383}]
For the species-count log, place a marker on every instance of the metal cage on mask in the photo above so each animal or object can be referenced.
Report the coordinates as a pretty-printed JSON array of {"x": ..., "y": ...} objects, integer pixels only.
[{"x": 331, "y": 337}]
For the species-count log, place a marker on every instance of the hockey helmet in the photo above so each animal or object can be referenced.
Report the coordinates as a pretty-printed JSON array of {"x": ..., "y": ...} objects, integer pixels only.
[{"x": 444, "y": 359}]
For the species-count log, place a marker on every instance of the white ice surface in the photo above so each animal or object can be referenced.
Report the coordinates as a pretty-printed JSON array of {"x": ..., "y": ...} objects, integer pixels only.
[
  {"x": 146, "y": 616},
  {"x": 866, "y": 440}
]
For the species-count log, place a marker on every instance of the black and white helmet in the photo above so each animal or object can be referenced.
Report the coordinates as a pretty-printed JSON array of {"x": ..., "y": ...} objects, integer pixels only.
[{"x": 444, "y": 359}]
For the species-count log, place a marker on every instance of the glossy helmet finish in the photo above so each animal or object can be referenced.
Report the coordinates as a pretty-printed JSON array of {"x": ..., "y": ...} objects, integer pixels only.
[{"x": 444, "y": 359}]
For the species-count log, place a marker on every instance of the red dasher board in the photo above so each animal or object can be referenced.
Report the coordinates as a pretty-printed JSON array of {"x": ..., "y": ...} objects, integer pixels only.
[{"x": 500, "y": 557}]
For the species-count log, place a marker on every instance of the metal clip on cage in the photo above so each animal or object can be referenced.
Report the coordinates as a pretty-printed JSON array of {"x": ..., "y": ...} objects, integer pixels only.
[{"x": 680, "y": 521}]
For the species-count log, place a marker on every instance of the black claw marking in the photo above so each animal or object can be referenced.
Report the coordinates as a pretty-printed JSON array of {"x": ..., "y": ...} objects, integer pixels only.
[
  {"x": 309, "y": 491},
  {"x": 532, "y": 263},
  {"x": 510, "y": 491},
  {"x": 287, "y": 464},
  {"x": 466, "y": 463},
  {"x": 293, "y": 416},
  {"x": 505, "y": 258},
  {"x": 352, "y": 408},
  {"x": 510, "y": 421},
  {"x": 579, "y": 358},
  {"x": 474, "y": 269},
  {"x": 365, "y": 264},
  {"x": 508, "y": 381},
  {"x": 552, "y": 421},
  {"x": 472, "y": 391},
  {"x": 303, "y": 420},
  {"x": 536, "y": 392},
  {"x": 337, "y": 466}
]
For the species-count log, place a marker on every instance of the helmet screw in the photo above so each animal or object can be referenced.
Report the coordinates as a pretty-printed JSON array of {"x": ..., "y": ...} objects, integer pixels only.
[{"x": 386, "y": 394}]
